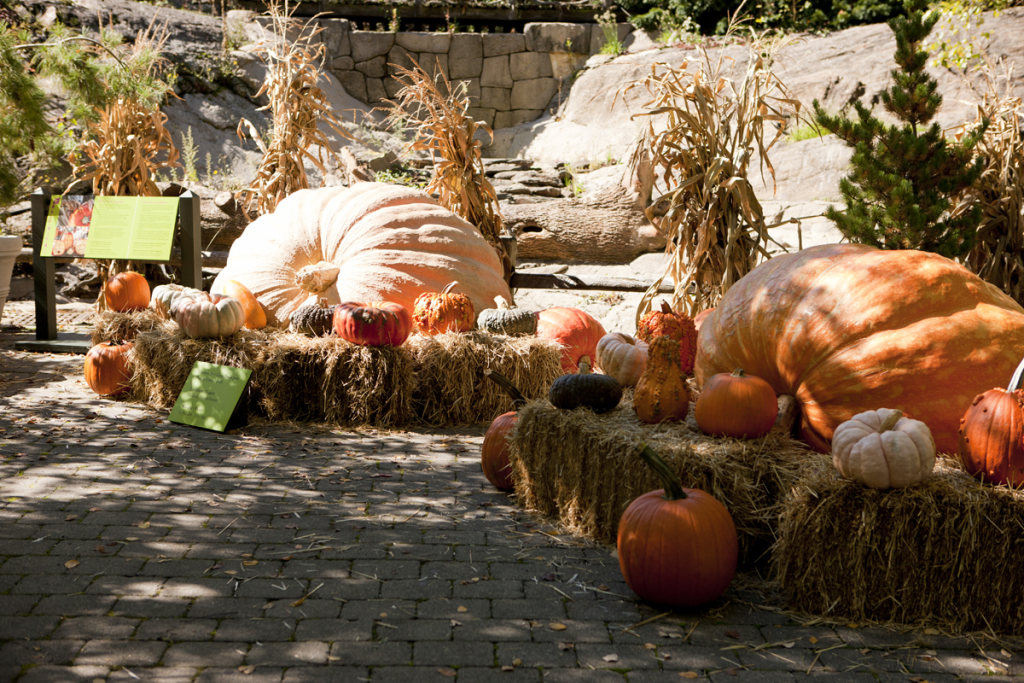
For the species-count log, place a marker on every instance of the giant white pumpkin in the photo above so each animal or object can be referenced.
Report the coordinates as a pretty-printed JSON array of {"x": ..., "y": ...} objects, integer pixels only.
[{"x": 370, "y": 242}]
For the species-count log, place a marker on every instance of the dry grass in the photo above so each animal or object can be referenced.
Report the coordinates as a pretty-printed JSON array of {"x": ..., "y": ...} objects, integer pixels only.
[
  {"x": 998, "y": 254},
  {"x": 940, "y": 554},
  {"x": 701, "y": 133},
  {"x": 163, "y": 359},
  {"x": 451, "y": 387},
  {"x": 329, "y": 379},
  {"x": 297, "y": 108},
  {"x": 585, "y": 469},
  {"x": 445, "y": 129},
  {"x": 113, "y": 326}
]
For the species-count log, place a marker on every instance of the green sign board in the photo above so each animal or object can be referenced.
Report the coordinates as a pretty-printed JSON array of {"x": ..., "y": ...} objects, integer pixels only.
[
  {"x": 138, "y": 228},
  {"x": 211, "y": 397}
]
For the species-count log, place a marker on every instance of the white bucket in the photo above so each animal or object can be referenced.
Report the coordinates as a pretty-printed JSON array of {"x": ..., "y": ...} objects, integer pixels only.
[{"x": 10, "y": 248}]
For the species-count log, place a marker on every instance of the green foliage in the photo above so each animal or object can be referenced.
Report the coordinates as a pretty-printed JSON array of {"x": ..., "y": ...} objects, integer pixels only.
[
  {"x": 805, "y": 131},
  {"x": 22, "y": 117},
  {"x": 899, "y": 193},
  {"x": 956, "y": 40},
  {"x": 610, "y": 29},
  {"x": 188, "y": 156}
]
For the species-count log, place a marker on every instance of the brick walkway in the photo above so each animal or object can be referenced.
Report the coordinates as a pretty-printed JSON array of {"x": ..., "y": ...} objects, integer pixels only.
[{"x": 132, "y": 549}]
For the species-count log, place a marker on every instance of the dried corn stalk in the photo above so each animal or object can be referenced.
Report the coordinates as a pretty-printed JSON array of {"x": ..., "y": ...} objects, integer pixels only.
[
  {"x": 447, "y": 131},
  {"x": 998, "y": 254},
  {"x": 297, "y": 107},
  {"x": 701, "y": 133}
]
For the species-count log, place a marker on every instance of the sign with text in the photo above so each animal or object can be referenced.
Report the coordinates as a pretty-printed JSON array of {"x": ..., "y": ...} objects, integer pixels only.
[
  {"x": 139, "y": 228},
  {"x": 211, "y": 397}
]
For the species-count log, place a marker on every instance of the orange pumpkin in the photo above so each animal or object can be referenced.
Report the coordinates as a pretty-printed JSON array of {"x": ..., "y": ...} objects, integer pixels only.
[
  {"x": 668, "y": 323},
  {"x": 622, "y": 357},
  {"x": 736, "y": 405},
  {"x": 255, "y": 316},
  {"x": 443, "y": 312},
  {"x": 494, "y": 454},
  {"x": 82, "y": 216},
  {"x": 699, "y": 319},
  {"x": 126, "y": 291},
  {"x": 577, "y": 331},
  {"x": 107, "y": 368},
  {"x": 846, "y": 328},
  {"x": 991, "y": 444},
  {"x": 662, "y": 394},
  {"x": 676, "y": 546}
]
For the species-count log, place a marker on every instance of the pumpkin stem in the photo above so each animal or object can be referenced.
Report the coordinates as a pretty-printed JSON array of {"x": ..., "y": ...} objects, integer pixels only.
[
  {"x": 1017, "y": 380},
  {"x": 665, "y": 308},
  {"x": 739, "y": 372},
  {"x": 673, "y": 487},
  {"x": 518, "y": 400},
  {"x": 501, "y": 303},
  {"x": 584, "y": 365},
  {"x": 449, "y": 287},
  {"x": 890, "y": 422}
]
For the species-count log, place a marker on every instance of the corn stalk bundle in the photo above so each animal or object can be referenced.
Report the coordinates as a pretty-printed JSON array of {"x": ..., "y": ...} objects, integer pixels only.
[
  {"x": 448, "y": 132},
  {"x": 702, "y": 130},
  {"x": 998, "y": 254},
  {"x": 297, "y": 107}
]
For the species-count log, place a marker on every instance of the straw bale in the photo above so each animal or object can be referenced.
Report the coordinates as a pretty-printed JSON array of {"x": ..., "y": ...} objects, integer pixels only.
[
  {"x": 585, "y": 469},
  {"x": 451, "y": 387},
  {"x": 330, "y": 379},
  {"x": 113, "y": 326},
  {"x": 164, "y": 356},
  {"x": 943, "y": 553}
]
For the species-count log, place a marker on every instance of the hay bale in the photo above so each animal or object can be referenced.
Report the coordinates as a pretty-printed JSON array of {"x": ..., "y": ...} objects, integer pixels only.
[
  {"x": 585, "y": 469},
  {"x": 327, "y": 378},
  {"x": 113, "y": 326},
  {"x": 940, "y": 554},
  {"x": 164, "y": 356},
  {"x": 451, "y": 387}
]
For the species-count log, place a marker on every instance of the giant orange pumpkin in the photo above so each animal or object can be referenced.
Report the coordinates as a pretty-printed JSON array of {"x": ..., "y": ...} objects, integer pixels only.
[
  {"x": 676, "y": 546},
  {"x": 577, "y": 331},
  {"x": 992, "y": 435},
  {"x": 126, "y": 291},
  {"x": 107, "y": 368},
  {"x": 846, "y": 328}
]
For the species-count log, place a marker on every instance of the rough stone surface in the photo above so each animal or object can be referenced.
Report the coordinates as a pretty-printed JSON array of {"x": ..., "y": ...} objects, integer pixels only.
[
  {"x": 557, "y": 37},
  {"x": 354, "y": 83},
  {"x": 529, "y": 65},
  {"x": 335, "y": 36},
  {"x": 495, "y": 44},
  {"x": 375, "y": 90},
  {"x": 482, "y": 114},
  {"x": 499, "y": 99},
  {"x": 344, "y": 63},
  {"x": 424, "y": 42},
  {"x": 534, "y": 93},
  {"x": 507, "y": 119},
  {"x": 400, "y": 57},
  {"x": 369, "y": 44},
  {"x": 373, "y": 68},
  {"x": 465, "y": 56},
  {"x": 496, "y": 73}
]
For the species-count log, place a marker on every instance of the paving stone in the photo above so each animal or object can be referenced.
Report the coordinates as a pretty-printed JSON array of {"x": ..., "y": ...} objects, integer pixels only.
[
  {"x": 547, "y": 655},
  {"x": 75, "y": 605},
  {"x": 64, "y": 674},
  {"x": 176, "y": 630},
  {"x": 528, "y": 609},
  {"x": 235, "y": 675},
  {"x": 288, "y": 654},
  {"x": 371, "y": 654},
  {"x": 90, "y": 628},
  {"x": 160, "y": 674},
  {"x": 113, "y": 653},
  {"x": 202, "y": 654},
  {"x": 325, "y": 674},
  {"x": 453, "y": 653},
  {"x": 40, "y": 652}
]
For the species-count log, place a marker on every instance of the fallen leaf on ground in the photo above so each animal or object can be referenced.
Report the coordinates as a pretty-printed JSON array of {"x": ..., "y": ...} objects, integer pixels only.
[
  {"x": 732, "y": 634},
  {"x": 789, "y": 645},
  {"x": 517, "y": 662},
  {"x": 689, "y": 674},
  {"x": 650, "y": 646},
  {"x": 508, "y": 668},
  {"x": 250, "y": 563},
  {"x": 143, "y": 525},
  {"x": 610, "y": 658},
  {"x": 462, "y": 609},
  {"x": 71, "y": 564},
  {"x": 555, "y": 626},
  {"x": 565, "y": 646},
  {"x": 448, "y": 672},
  {"x": 812, "y": 640},
  {"x": 247, "y": 669}
]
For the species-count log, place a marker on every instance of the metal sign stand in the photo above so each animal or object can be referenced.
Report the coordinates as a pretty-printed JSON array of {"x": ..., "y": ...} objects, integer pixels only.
[{"x": 44, "y": 276}]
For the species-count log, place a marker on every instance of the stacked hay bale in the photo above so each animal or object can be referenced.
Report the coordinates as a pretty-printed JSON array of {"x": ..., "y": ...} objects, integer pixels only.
[
  {"x": 113, "y": 326},
  {"x": 937, "y": 554},
  {"x": 584, "y": 469}
]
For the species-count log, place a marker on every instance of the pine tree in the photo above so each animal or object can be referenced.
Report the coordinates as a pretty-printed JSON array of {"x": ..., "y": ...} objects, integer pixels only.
[{"x": 903, "y": 176}]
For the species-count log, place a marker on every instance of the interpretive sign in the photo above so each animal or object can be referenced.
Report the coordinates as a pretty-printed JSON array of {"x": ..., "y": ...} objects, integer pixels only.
[
  {"x": 136, "y": 228},
  {"x": 211, "y": 397}
]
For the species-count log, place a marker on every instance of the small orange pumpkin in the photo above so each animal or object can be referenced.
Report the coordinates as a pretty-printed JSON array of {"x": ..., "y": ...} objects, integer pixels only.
[
  {"x": 662, "y": 394},
  {"x": 622, "y": 357},
  {"x": 577, "y": 331},
  {"x": 108, "y": 369},
  {"x": 668, "y": 323},
  {"x": 991, "y": 443},
  {"x": 445, "y": 311},
  {"x": 676, "y": 546},
  {"x": 494, "y": 458},
  {"x": 127, "y": 291},
  {"x": 255, "y": 315},
  {"x": 737, "y": 405}
]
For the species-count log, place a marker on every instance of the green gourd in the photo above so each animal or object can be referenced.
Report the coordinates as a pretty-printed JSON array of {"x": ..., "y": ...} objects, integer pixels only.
[
  {"x": 600, "y": 393},
  {"x": 507, "y": 320}
]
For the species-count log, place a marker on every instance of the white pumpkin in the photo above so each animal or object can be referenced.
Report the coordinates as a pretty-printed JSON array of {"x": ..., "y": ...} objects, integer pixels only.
[
  {"x": 883, "y": 449},
  {"x": 369, "y": 242},
  {"x": 622, "y": 357},
  {"x": 209, "y": 316},
  {"x": 165, "y": 296}
]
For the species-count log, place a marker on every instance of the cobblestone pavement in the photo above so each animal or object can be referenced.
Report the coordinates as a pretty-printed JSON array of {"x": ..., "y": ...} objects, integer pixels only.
[{"x": 133, "y": 549}]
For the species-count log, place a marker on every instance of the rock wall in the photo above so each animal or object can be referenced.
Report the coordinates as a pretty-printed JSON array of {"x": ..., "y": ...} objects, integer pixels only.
[{"x": 511, "y": 78}]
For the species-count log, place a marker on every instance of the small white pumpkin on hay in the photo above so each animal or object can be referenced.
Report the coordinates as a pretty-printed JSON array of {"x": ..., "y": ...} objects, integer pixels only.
[{"x": 882, "y": 449}]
